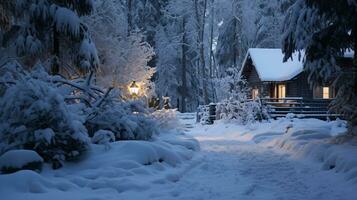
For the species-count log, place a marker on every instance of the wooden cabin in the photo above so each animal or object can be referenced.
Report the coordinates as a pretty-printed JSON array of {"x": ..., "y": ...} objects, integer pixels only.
[{"x": 269, "y": 77}]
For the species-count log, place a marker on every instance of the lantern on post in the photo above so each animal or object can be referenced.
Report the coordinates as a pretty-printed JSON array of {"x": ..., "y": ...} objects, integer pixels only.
[{"x": 134, "y": 89}]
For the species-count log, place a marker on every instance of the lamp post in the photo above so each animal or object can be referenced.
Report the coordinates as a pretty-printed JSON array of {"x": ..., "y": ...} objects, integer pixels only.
[{"x": 134, "y": 89}]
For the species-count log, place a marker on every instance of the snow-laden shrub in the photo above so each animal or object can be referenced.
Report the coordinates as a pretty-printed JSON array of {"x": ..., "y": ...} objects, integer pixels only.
[
  {"x": 243, "y": 112},
  {"x": 52, "y": 115},
  {"x": 34, "y": 115},
  {"x": 203, "y": 114},
  {"x": 239, "y": 107},
  {"x": 166, "y": 118},
  {"x": 127, "y": 120},
  {"x": 15, "y": 160},
  {"x": 103, "y": 137}
]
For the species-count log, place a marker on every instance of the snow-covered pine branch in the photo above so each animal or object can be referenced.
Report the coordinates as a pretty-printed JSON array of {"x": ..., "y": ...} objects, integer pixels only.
[
  {"x": 49, "y": 29},
  {"x": 325, "y": 31}
]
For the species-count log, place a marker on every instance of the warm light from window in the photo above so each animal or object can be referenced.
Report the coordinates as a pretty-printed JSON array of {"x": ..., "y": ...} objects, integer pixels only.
[
  {"x": 255, "y": 93},
  {"x": 281, "y": 91},
  {"x": 325, "y": 92}
]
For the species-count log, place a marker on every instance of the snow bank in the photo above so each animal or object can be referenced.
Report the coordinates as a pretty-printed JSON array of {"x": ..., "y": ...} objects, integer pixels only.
[
  {"x": 127, "y": 166},
  {"x": 14, "y": 160},
  {"x": 316, "y": 140},
  {"x": 22, "y": 181},
  {"x": 311, "y": 139},
  {"x": 140, "y": 152},
  {"x": 19, "y": 158}
]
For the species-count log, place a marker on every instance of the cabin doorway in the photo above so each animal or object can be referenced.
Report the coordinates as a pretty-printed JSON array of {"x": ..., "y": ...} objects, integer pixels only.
[
  {"x": 255, "y": 93},
  {"x": 281, "y": 91}
]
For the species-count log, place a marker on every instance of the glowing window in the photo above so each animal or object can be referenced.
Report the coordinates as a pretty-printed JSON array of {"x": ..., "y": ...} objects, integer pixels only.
[
  {"x": 281, "y": 91},
  {"x": 255, "y": 93},
  {"x": 325, "y": 92}
]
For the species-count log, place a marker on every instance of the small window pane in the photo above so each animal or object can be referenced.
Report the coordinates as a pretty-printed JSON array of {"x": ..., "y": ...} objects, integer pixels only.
[
  {"x": 255, "y": 93},
  {"x": 326, "y": 92}
]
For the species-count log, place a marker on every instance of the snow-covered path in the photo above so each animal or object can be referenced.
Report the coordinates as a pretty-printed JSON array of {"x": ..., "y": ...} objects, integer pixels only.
[{"x": 233, "y": 169}]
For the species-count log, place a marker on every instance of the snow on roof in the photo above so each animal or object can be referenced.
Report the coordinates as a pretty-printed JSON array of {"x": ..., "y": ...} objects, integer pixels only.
[
  {"x": 270, "y": 66},
  {"x": 349, "y": 53}
]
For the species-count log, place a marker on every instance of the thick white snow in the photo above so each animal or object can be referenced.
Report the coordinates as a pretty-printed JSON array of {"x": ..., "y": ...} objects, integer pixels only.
[
  {"x": 103, "y": 137},
  {"x": 88, "y": 53},
  {"x": 107, "y": 173},
  {"x": 18, "y": 158},
  {"x": 349, "y": 53},
  {"x": 270, "y": 66},
  {"x": 284, "y": 159},
  {"x": 66, "y": 20},
  {"x": 44, "y": 134}
]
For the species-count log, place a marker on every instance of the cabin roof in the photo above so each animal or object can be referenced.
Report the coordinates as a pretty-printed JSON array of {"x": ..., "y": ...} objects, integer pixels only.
[{"x": 270, "y": 66}]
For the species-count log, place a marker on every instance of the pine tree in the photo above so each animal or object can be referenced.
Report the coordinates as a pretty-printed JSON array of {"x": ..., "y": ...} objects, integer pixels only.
[
  {"x": 325, "y": 30},
  {"x": 228, "y": 42},
  {"x": 48, "y": 29},
  {"x": 178, "y": 58}
]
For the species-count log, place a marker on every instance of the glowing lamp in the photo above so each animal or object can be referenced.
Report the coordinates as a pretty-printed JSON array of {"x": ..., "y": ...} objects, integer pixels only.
[{"x": 134, "y": 89}]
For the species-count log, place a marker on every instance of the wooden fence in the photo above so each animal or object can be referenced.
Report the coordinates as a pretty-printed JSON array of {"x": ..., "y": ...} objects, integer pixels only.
[{"x": 280, "y": 107}]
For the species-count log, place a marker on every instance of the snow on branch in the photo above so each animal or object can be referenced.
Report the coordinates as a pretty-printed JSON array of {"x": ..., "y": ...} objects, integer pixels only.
[{"x": 66, "y": 20}]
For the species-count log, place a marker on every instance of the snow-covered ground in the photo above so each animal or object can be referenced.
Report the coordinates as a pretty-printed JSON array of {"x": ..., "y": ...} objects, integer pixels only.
[
  {"x": 285, "y": 159},
  {"x": 123, "y": 168},
  {"x": 267, "y": 161}
]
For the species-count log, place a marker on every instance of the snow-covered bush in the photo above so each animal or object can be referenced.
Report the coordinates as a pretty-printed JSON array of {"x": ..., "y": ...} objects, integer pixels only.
[
  {"x": 238, "y": 107},
  {"x": 166, "y": 118},
  {"x": 127, "y": 120},
  {"x": 34, "y": 115},
  {"x": 103, "y": 137},
  {"x": 243, "y": 112},
  {"x": 205, "y": 114},
  {"x": 52, "y": 115},
  {"x": 15, "y": 160}
]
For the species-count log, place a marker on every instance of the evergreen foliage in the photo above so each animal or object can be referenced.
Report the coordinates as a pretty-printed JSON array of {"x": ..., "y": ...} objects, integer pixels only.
[
  {"x": 326, "y": 30},
  {"x": 53, "y": 115},
  {"x": 35, "y": 116},
  {"x": 48, "y": 29}
]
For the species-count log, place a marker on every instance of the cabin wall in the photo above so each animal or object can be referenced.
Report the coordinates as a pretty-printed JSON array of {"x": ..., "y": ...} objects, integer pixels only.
[
  {"x": 296, "y": 87},
  {"x": 251, "y": 75},
  {"x": 299, "y": 87}
]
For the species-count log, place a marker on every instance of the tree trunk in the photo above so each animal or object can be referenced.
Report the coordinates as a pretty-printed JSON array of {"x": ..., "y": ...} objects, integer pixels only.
[
  {"x": 211, "y": 55},
  {"x": 56, "y": 53},
  {"x": 183, "y": 69},
  {"x": 211, "y": 41},
  {"x": 130, "y": 25},
  {"x": 202, "y": 65},
  {"x": 235, "y": 45},
  {"x": 353, "y": 120}
]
